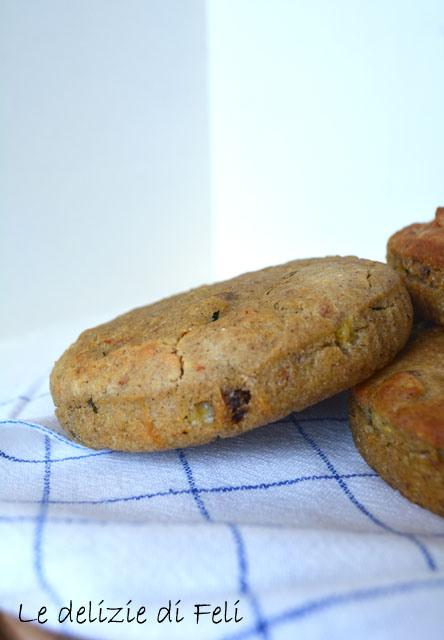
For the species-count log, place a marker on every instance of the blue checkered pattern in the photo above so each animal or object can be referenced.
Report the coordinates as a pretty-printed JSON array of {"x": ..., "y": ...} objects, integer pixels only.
[{"x": 287, "y": 519}]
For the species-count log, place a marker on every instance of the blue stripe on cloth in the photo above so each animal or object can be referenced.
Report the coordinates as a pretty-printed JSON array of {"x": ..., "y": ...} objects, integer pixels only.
[
  {"x": 261, "y": 626},
  {"x": 196, "y": 492},
  {"x": 10, "y": 458},
  {"x": 318, "y": 605},
  {"x": 193, "y": 489},
  {"x": 12, "y": 519},
  {"x": 347, "y": 491},
  {"x": 3, "y": 403},
  {"x": 244, "y": 587},
  {"x": 120, "y": 523},
  {"x": 40, "y": 527},
  {"x": 48, "y": 432}
]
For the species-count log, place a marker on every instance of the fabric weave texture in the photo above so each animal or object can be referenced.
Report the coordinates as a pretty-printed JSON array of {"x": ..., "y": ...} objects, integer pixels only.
[{"x": 288, "y": 520}]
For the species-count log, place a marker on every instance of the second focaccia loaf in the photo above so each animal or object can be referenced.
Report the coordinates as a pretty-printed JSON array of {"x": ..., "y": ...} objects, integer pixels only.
[
  {"x": 397, "y": 420},
  {"x": 417, "y": 253}
]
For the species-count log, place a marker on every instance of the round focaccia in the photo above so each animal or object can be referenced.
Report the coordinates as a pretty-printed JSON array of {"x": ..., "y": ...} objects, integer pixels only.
[
  {"x": 397, "y": 420},
  {"x": 417, "y": 254},
  {"x": 221, "y": 359}
]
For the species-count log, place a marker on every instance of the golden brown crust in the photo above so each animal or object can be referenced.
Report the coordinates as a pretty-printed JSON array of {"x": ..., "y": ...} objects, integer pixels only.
[
  {"x": 222, "y": 359},
  {"x": 397, "y": 420},
  {"x": 423, "y": 242},
  {"x": 409, "y": 393},
  {"x": 417, "y": 254}
]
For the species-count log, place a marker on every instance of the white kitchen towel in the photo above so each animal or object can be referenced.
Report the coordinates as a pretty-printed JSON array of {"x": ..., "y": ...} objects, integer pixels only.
[{"x": 287, "y": 521}]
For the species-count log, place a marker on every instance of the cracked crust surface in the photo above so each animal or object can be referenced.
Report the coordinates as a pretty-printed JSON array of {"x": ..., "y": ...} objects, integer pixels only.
[
  {"x": 417, "y": 254},
  {"x": 397, "y": 420},
  {"x": 224, "y": 358}
]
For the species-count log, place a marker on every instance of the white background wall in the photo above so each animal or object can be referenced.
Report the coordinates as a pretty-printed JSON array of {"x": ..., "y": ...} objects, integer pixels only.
[
  {"x": 327, "y": 125},
  {"x": 311, "y": 127},
  {"x": 104, "y": 187}
]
